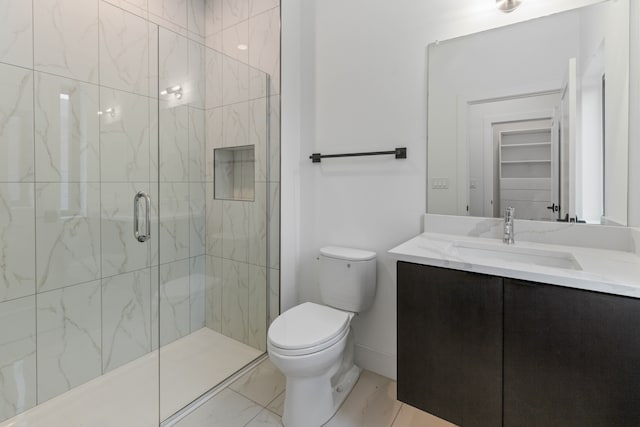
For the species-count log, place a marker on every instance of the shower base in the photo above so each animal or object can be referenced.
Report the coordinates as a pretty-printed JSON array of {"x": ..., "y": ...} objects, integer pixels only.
[{"x": 128, "y": 395}]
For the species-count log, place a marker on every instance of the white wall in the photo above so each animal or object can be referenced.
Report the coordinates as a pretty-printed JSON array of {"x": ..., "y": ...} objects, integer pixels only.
[
  {"x": 634, "y": 125},
  {"x": 616, "y": 111},
  {"x": 354, "y": 80}
]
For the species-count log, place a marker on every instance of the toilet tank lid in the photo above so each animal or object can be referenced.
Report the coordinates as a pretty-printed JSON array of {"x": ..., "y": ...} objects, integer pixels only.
[{"x": 347, "y": 254}]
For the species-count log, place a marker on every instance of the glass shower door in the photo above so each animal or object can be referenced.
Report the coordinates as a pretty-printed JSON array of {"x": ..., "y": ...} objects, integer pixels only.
[
  {"x": 213, "y": 204},
  {"x": 151, "y": 134},
  {"x": 78, "y": 135}
]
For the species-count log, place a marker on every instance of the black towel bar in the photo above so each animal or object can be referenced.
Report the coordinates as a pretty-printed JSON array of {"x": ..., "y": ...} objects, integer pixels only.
[{"x": 400, "y": 153}]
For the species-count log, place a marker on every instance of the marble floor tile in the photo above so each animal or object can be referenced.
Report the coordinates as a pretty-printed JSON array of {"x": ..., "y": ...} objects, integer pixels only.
[
  {"x": 266, "y": 419},
  {"x": 412, "y": 417},
  {"x": 262, "y": 385},
  {"x": 228, "y": 409},
  {"x": 277, "y": 406},
  {"x": 372, "y": 403}
]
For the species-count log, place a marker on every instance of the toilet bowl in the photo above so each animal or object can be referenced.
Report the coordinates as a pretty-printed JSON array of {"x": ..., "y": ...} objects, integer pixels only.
[
  {"x": 312, "y": 344},
  {"x": 310, "y": 365}
]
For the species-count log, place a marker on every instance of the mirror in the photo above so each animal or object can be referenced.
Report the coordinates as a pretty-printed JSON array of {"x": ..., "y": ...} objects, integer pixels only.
[{"x": 533, "y": 115}]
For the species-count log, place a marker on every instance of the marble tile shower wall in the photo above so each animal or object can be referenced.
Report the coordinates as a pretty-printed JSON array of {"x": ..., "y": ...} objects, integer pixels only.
[
  {"x": 79, "y": 121},
  {"x": 247, "y": 32}
]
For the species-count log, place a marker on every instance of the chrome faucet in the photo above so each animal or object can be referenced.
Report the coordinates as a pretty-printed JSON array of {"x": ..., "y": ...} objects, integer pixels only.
[{"x": 508, "y": 238}]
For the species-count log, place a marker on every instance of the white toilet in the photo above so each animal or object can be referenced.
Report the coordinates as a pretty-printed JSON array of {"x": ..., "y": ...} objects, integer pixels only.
[{"x": 312, "y": 345}]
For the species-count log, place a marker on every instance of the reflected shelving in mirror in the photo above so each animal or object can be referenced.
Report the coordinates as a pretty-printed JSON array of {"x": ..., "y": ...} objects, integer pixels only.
[{"x": 518, "y": 115}]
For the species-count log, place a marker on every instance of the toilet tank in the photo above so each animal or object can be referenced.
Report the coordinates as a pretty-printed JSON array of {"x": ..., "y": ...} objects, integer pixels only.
[{"x": 347, "y": 278}]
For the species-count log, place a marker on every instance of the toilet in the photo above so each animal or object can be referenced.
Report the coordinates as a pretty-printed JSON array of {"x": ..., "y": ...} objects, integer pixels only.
[{"x": 312, "y": 344}]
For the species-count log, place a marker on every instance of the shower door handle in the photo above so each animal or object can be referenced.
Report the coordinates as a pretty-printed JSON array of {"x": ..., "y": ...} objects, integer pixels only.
[{"x": 136, "y": 216}]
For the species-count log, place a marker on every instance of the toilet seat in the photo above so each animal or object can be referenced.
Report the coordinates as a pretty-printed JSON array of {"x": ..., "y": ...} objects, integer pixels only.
[{"x": 308, "y": 328}]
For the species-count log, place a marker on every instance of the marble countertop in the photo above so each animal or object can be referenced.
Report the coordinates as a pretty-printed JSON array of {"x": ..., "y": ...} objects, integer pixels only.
[{"x": 602, "y": 270}]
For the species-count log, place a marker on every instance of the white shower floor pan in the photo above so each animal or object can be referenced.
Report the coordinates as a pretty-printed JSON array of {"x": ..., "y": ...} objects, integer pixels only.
[{"x": 128, "y": 396}]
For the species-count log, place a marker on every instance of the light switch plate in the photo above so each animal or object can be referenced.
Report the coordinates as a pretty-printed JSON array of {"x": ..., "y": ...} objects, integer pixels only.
[{"x": 440, "y": 183}]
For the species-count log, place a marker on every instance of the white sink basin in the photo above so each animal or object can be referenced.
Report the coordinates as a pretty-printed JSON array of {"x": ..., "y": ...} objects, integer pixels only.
[{"x": 511, "y": 253}]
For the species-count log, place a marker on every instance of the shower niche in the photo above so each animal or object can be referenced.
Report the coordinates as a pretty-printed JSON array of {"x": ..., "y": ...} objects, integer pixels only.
[{"x": 234, "y": 173}]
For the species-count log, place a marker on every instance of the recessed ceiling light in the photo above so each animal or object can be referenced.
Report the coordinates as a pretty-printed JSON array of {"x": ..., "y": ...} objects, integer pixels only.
[
  {"x": 243, "y": 47},
  {"x": 507, "y": 6}
]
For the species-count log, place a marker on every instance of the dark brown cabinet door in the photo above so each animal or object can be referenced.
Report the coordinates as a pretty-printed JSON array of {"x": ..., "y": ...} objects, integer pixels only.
[
  {"x": 450, "y": 344},
  {"x": 571, "y": 357}
]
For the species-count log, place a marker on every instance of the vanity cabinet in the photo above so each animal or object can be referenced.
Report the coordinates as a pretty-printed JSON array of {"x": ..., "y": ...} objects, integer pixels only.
[
  {"x": 450, "y": 343},
  {"x": 482, "y": 350},
  {"x": 571, "y": 357}
]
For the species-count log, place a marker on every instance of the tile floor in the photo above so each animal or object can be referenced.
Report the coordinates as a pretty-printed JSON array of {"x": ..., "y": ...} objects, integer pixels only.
[{"x": 257, "y": 399}]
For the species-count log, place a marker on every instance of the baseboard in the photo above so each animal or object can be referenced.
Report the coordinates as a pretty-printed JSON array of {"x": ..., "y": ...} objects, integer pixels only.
[{"x": 374, "y": 361}]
